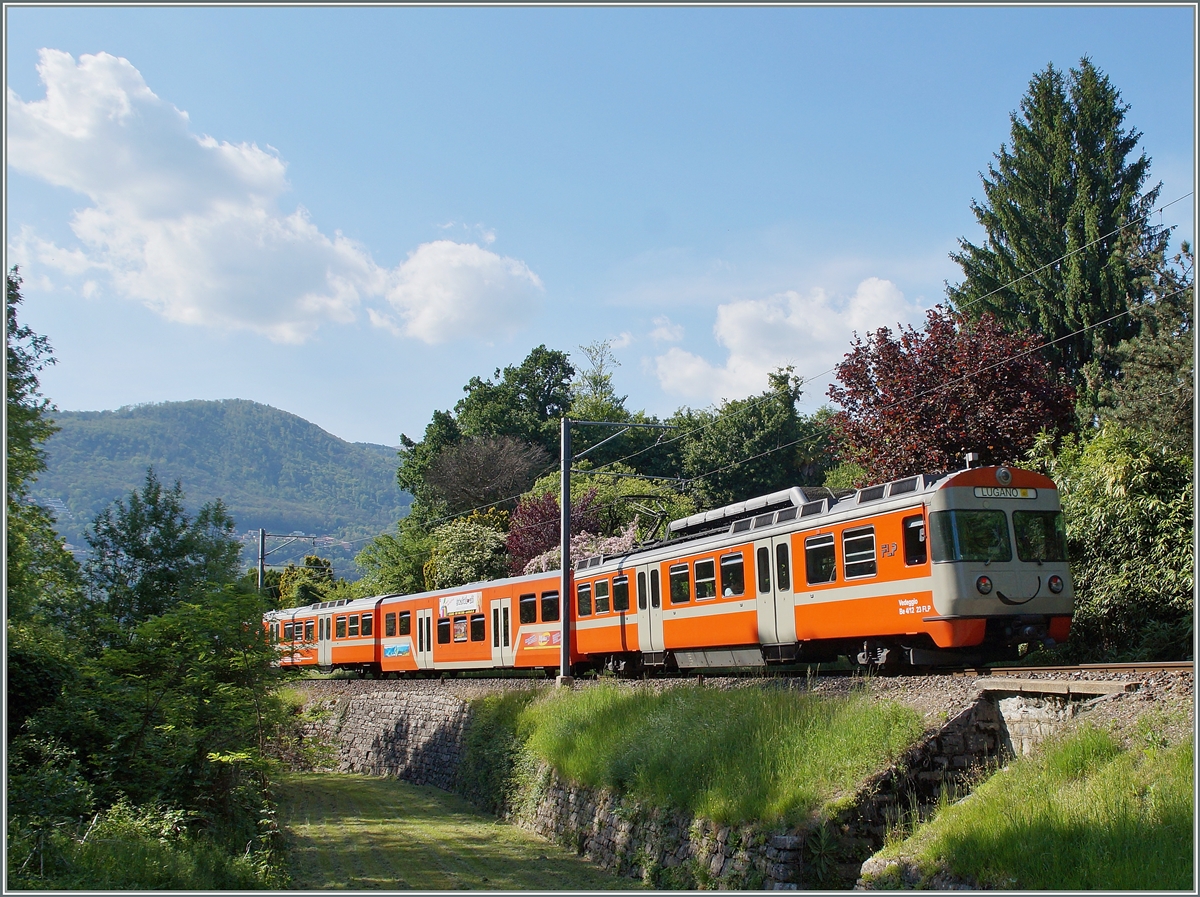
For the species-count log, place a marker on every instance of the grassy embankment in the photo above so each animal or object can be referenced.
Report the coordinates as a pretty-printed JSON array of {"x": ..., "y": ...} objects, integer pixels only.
[
  {"x": 743, "y": 755},
  {"x": 359, "y": 833},
  {"x": 1087, "y": 813}
]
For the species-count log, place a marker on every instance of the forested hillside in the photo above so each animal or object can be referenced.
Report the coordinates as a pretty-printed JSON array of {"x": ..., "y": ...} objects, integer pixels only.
[{"x": 272, "y": 469}]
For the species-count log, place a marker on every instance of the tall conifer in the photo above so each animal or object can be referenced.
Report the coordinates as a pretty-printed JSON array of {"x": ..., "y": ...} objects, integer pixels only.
[{"x": 1069, "y": 241}]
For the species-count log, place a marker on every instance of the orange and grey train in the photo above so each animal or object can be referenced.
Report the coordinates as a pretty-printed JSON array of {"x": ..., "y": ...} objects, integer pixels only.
[{"x": 929, "y": 570}]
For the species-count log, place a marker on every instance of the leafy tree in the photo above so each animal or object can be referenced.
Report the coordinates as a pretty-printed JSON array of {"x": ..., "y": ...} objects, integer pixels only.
[
  {"x": 753, "y": 446},
  {"x": 536, "y": 525},
  {"x": 307, "y": 584},
  {"x": 1069, "y": 242},
  {"x": 42, "y": 577},
  {"x": 395, "y": 562},
  {"x": 483, "y": 470},
  {"x": 1128, "y": 502},
  {"x": 1154, "y": 389},
  {"x": 180, "y": 714},
  {"x": 466, "y": 550},
  {"x": 28, "y": 424},
  {"x": 593, "y": 395},
  {"x": 619, "y": 498},
  {"x": 919, "y": 401},
  {"x": 525, "y": 401},
  {"x": 415, "y": 458},
  {"x": 149, "y": 554}
]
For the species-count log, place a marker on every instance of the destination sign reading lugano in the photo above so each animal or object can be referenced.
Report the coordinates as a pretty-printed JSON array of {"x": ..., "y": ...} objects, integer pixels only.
[{"x": 1004, "y": 492}]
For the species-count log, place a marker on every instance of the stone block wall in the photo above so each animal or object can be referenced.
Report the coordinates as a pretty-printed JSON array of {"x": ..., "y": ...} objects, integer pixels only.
[
  {"x": 666, "y": 850},
  {"x": 415, "y": 734}
]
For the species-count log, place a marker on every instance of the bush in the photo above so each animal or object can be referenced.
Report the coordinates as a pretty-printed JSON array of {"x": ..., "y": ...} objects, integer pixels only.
[
  {"x": 131, "y": 847},
  {"x": 1127, "y": 499}
]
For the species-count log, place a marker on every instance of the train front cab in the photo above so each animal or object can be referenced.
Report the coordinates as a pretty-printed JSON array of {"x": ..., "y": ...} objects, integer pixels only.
[{"x": 1000, "y": 572}]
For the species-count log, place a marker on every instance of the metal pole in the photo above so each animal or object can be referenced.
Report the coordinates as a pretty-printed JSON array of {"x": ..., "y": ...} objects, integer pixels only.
[
  {"x": 262, "y": 558},
  {"x": 564, "y": 589}
]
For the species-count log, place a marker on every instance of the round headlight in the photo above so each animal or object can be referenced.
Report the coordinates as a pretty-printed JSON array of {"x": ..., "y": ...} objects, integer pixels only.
[
  {"x": 984, "y": 585},
  {"x": 1003, "y": 476},
  {"x": 1056, "y": 584}
]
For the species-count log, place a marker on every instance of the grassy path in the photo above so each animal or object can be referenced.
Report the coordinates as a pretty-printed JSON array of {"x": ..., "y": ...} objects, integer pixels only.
[{"x": 359, "y": 833}]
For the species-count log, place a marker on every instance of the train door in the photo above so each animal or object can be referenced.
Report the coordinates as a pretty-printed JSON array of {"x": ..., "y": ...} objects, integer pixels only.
[
  {"x": 502, "y": 650},
  {"x": 649, "y": 609},
  {"x": 425, "y": 638},
  {"x": 774, "y": 590},
  {"x": 324, "y": 642}
]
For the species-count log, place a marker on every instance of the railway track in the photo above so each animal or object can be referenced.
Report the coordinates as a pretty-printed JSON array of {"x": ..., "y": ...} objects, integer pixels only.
[
  {"x": 1085, "y": 668},
  {"x": 1164, "y": 667}
]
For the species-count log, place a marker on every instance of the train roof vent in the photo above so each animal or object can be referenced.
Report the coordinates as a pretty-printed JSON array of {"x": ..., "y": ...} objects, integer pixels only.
[
  {"x": 786, "y": 514},
  {"x": 814, "y": 507},
  {"x": 902, "y": 486},
  {"x": 719, "y": 518},
  {"x": 740, "y": 526},
  {"x": 764, "y": 520},
  {"x": 874, "y": 493}
]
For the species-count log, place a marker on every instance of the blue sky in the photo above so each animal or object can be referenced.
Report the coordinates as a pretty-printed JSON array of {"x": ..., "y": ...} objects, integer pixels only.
[{"x": 348, "y": 212}]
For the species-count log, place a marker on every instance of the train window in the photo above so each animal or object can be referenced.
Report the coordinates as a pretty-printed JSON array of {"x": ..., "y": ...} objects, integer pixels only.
[
  {"x": 389, "y": 625},
  {"x": 444, "y": 631},
  {"x": 783, "y": 574},
  {"x": 654, "y": 598},
  {"x": 549, "y": 607},
  {"x": 681, "y": 584},
  {"x": 764, "y": 569},
  {"x": 858, "y": 552},
  {"x": 1041, "y": 535},
  {"x": 970, "y": 536},
  {"x": 287, "y": 632},
  {"x": 341, "y": 627},
  {"x": 819, "y": 563},
  {"x": 915, "y": 547},
  {"x": 706, "y": 579},
  {"x": 353, "y": 625},
  {"x": 528, "y": 609},
  {"x": 478, "y": 627},
  {"x": 733, "y": 576},
  {"x": 460, "y": 628},
  {"x": 368, "y": 627},
  {"x": 621, "y": 593},
  {"x": 602, "y": 596},
  {"x": 308, "y": 630},
  {"x": 583, "y": 593},
  {"x": 405, "y": 622},
  {"x": 641, "y": 586}
]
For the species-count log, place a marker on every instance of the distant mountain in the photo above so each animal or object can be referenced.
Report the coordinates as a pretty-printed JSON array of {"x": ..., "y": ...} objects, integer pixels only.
[{"x": 273, "y": 470}]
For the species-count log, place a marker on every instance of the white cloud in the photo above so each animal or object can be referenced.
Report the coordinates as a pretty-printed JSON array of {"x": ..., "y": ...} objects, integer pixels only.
[
  {"x": 192, "y": 228},
  {"x": 622, "y": 341},
  {"x": 666, "y": 332},
  {"x": 448, "y": 290},
  {"x": 811, "y": 332}
]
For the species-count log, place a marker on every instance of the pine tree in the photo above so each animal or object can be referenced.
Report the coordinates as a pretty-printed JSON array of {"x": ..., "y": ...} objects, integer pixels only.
[{"x": 1070, "y": 247}]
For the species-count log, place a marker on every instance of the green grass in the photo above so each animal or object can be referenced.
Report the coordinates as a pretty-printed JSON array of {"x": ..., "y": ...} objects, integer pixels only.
[
  {"x": 361, "y": 833},
  {"x": 742, "y": 755},
  {"x": 1087, "y": 813}
]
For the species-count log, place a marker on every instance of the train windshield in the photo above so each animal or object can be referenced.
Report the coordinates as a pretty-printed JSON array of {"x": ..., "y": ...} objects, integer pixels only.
[
  {"x": 970, "y": 536},
  {"x": 1041, "y": 535}
]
